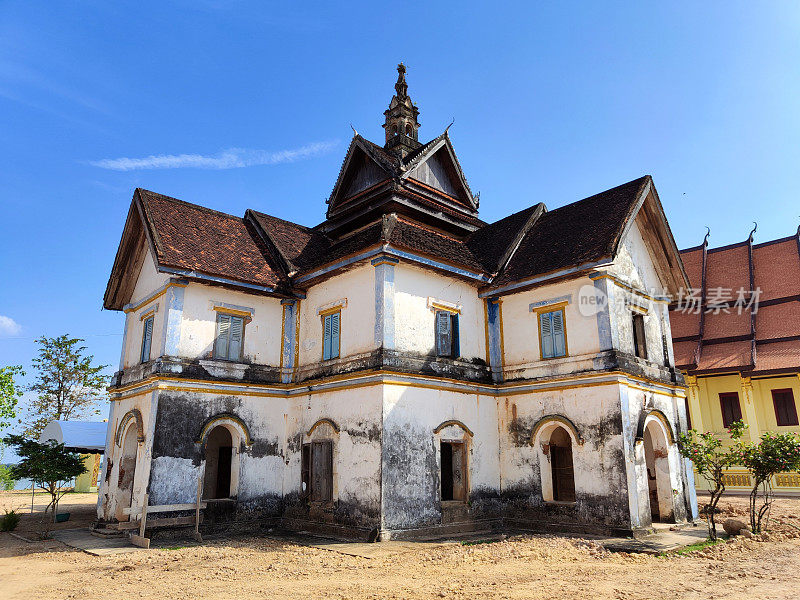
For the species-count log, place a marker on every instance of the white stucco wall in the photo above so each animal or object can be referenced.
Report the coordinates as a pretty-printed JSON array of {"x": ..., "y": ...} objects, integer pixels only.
[
  {"x": 262, "y": 335},
  {"x": 414, "y": 317},
  {"x": 357, "y": 323},
  {"x": 521, "y": 326}
]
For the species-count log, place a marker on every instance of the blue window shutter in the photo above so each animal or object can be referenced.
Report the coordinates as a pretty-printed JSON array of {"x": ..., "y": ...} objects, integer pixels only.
[
  {"x": 546, "y": 326},
  {"x": 326, "y": 338},
  {"x": 147, "y": 339},
  {"x": 444, "y": 343},
  {"x": 223, "y": 334},
  {"x": 456, "y": 342},
  {"x": 559, "y": 340},
  {"x": 235, "y": 338},
  {"x": 335, "y": 335}
]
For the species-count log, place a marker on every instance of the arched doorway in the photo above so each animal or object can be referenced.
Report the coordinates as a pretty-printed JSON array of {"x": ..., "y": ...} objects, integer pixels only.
[
  {"x": 656, "y": 456},
  {"x": 220, "y": 453},
  {"x": 555, "y": 462},
  {"x": 127, "y": 471}
]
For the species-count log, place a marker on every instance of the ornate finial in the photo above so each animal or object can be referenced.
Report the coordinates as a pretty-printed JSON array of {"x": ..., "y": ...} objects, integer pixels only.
[
  {"x": 750, "y": 237},
  {"x": 708, "y": 233},
  {"x": 401, "y": 87},
  {"x": 446, "y": 129},
  {"x": 354, "y": 129}
]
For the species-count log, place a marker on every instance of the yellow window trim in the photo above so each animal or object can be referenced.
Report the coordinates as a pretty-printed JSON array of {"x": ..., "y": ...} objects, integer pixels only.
[
  {"x": 322, "y": 323},
  {"x": 150, "y": 313},
  {"x": 539, "y": 314},
  {"x": 550, "y": 307},
  {"x": 233, "y": 312}
]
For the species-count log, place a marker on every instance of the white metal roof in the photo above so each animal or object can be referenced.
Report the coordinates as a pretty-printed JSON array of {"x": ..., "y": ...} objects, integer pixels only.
[{"x": 80, "y": 435}]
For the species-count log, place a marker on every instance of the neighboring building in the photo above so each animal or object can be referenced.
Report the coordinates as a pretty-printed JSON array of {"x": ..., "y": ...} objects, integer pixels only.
[
  {"x": 85, "y": 437},
  {"x": 741, "y": 350},
  {"x": 402, "y": 369}
]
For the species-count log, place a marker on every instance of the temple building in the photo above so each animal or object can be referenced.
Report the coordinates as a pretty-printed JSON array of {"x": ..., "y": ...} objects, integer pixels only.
[
  {"x": 402, "y": 369},
  {"x": 737, "y": 339}
]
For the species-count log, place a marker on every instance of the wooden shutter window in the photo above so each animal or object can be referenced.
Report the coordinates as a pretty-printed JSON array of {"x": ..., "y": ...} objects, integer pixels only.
[
  {"x": 639, "y": 336},
  {"x": 444, "y": 333},
  {"x": 785, "y": 409},
  {"x": 147, "y": 339},
  {"x": 230, "y": 333},
  {"x": 731, "y": 411},
  {"x": 235, "y": 343},
  {"x": 330, "y": 336},
  {"x": 553, "y": 334},
  {"x": 223, "y": 336}
]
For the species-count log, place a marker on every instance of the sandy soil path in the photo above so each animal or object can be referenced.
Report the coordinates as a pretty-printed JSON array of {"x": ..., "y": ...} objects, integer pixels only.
[{"x": 520, "y": 567}]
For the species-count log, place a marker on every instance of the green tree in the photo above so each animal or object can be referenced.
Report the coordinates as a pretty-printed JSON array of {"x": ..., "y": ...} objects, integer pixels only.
[
  {"x": 10, "y": 393},
  {"x": 68, "y": 385},
  {"x": 774, "y": 453},
  {"x": 711, "y": 459},
  {"x": 49, "y": 465}
]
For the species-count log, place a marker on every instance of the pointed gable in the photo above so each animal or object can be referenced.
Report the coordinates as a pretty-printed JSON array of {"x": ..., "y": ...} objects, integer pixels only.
[{"x": 365, "y": 165}]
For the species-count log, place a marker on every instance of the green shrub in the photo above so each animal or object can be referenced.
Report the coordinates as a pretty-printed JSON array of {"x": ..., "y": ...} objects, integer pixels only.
[
  {"x": 9, "y": 521},
  {"x": 7, "y": 482}
]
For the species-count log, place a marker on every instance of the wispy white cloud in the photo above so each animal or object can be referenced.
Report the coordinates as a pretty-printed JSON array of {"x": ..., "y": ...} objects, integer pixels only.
[
  {"x": 232, "y": 158},
  {"x": 9, "y": 326}
]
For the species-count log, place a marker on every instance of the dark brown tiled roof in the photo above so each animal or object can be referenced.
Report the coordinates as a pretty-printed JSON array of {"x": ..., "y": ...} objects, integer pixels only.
[
  {"x": 300, "y": 246},
  {"x": 491, "y": 242},
  {"x": 194, "y": 238},
  {"x": 414, "y": 236},
  {"x": 575, "y": 234},
  {"x": 727, "y": 338}
]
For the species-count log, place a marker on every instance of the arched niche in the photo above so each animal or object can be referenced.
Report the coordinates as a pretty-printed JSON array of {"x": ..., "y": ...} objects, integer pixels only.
[
  {"x": 654, "y": 415},
  {"x": 132, "y": 415},
  {"x": 220, "y": 439}
]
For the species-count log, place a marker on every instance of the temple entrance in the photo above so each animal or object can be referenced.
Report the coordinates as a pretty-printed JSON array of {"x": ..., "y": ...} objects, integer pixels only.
[
  {"x": 656, "y": 455},
  {"x": 219, "y": 464},
  {"x": 453, "y": 471}
]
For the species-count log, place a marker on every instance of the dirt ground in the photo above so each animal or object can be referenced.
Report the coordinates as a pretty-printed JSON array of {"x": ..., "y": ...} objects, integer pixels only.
[{"x": 518, "y": 567}]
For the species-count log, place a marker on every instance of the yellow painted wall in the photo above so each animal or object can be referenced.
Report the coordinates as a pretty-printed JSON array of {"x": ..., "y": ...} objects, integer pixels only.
[{"x": 758, "y": 411}]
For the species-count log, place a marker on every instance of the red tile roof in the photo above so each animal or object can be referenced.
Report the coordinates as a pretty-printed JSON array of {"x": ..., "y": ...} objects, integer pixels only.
[
  {"x": 776, "y": 272},
  {"x": 190, "y": 237}
]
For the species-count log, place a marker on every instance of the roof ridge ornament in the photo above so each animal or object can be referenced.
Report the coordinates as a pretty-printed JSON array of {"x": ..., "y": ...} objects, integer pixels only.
[
  {"x": 401, "y": 87},
  {"x": 401, "y": 125},
  {"x": 708, "y": 233},
  {"x": 750, "y": 237}
]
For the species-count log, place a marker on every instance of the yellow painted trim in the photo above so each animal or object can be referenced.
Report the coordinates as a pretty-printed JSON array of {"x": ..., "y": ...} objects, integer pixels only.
[
  {"x": 283, "y": 331},
  {"x": 148, "y": 314},
  {"x": 324, "y": 421},
  {"x": 332, "y": 309},
  {"x": 486, "y": 326},
  {"x": 454, "y": 422},
  {"x": 232, "y": 311},
  {"x": 227, "y": 417},
  {"x": 297, "y": 335},
  {"x": 502, "y": 334},
  {"x": 451, "y": 309},
  {"x": 550, "y": 307},
  {"x": 384, "y": 261},
  {"x": 639, "y": 309},
  {"x": 147, "y": 301},
  {"x": 561, "y": 420},
  {"x": 566, "y": 337},
  {"x": 322, "y": 316}
]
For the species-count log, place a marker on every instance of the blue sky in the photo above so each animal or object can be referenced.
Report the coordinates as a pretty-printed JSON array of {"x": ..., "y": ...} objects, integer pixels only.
[{"x": 552, "y": 102}]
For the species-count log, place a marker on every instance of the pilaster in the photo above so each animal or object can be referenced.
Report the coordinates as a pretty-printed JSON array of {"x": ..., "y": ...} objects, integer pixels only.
[
  {"x": 173, "y": 315},
  {"x": 494, "y": 337},
  {"x": 289, "y": 338},
  {"x": 695, "y": 410},
  {"x": 384, "y": 301},
  {"x": 750, "y": 414},
  {"x": 124, "y": 342}
]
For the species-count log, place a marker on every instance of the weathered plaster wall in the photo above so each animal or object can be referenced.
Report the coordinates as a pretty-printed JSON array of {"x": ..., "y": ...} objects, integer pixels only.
[
  {"x": 414, "y": 329},
  {"x": 148, "y": 281},
  {"x": 599, "y": 463},
  {"x": 640, "y": 403},
  {"x": 634, "y": 266},
  {"x": 262, "y": 335},
  {"x": 356, "y": 455},
  {"x": 357, "y": 323},
  {"x": 411, "y": 453},
  {"x": 179, "y": 458},
  {"x": 111, "y": 502}
]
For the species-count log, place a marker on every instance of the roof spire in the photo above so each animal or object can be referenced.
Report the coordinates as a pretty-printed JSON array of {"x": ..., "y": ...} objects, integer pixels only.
[
  {"x": 401, "y": 86},
  {"x": 401, "y": 118}
]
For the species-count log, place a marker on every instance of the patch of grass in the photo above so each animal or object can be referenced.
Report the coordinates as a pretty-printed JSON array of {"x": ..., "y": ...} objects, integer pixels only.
[
  {"x": 174, "y": 547},
  {"x": 692, "y": 547}
]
